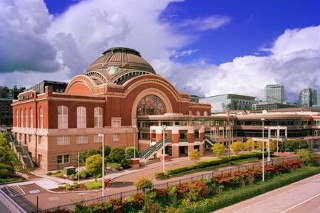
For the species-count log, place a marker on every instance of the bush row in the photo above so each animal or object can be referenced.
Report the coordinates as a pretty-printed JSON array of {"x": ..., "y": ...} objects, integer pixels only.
[{"x": 215, "y": 162}]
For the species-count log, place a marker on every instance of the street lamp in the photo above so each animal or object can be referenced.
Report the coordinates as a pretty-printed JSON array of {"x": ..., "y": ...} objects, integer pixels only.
[
  {"x": 134, "y": 141},
  {"x": 262, "y": 119},
  {"x": 102, "y": 137},
  {"x": 164, "y": 127}
]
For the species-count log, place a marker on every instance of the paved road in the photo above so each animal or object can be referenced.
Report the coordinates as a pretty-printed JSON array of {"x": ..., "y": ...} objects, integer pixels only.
[
  {"x": 3, "y": 208},
  {"x": 302, "y": 196}
]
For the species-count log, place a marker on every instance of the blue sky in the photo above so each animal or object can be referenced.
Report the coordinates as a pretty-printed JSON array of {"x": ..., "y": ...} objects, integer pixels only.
[{"x": 206, "y": 47}]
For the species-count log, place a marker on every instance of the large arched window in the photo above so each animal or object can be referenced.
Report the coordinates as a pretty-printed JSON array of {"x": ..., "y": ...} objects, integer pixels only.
[
  {"x": 151, "y": 105},
  {"x": 98, "y": 122},
  {"x": 81, "y": 117},
  {"x": 62, "y": 117}
]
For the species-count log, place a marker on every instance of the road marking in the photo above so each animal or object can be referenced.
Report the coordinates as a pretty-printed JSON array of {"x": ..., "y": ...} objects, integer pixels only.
[
  {"x": 293, "y": 184},
  {"x": 311, "y": 198}
]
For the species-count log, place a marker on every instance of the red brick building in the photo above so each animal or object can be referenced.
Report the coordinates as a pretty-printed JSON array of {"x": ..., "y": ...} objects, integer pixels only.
[{"x": 120, "y": 96}]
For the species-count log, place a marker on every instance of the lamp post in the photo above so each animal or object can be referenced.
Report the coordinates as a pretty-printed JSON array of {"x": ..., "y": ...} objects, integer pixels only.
[
  {"x": 164, "y": 127},
  {"x": 262, "y": 119},
  {"x": 102, "y": 137},
  {"x": 278, "y": 134},
  {"x": 269, "y": 138},
  {"x": 134, "y": 141}
]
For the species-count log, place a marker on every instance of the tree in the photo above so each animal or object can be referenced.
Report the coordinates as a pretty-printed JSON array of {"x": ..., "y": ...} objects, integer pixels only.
[
  {"x": 118, "y": 155},
  {"x": 249, "y": 145},
  {"x": 94, "y": 165},
  {"x": 218, "y": 149},
  {"x": 194, "y": 155},
  {"x": 130, "y": 152},
  {"x": 236, "y": 147}
]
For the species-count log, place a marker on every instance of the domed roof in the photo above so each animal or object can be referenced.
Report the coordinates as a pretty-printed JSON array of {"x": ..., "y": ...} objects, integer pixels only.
[{"x": 117, "y": 65}]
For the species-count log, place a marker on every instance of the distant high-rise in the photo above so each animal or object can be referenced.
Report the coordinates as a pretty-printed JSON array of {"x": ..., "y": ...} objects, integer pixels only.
[
  {"x": 274, "y": 93},
  {"x": 308, "y": 97}
]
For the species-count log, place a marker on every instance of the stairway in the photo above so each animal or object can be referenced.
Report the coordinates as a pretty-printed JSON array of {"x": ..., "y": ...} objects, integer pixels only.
[
  {"x": 209, "y": 141},
  {"x": 15, "y": 190},
  {"x": 23, "y": 155},
  {"x": 152, "y": 150}
]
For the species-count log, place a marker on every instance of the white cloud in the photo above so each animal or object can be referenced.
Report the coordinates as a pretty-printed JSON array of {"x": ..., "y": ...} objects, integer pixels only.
[
  {"x": 294, "y": 62},
  {"x": 23, "y": 45},
  {"x": 69, "y": 42},
  {"x": 207, "y": 23}
]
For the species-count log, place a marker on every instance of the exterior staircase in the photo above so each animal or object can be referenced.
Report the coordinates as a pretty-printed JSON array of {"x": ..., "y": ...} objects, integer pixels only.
[
  {"x": 152, "y": 150},
  {"x": 15, "y": 190},
  {"x": 22, "y": 154},
  {"x": 209, "y": 141}
]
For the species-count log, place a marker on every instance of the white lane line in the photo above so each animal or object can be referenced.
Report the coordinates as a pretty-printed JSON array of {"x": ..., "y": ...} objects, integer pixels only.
[
  {"x": 311, "y": 198},
  {"x": 262, "y": 201}
]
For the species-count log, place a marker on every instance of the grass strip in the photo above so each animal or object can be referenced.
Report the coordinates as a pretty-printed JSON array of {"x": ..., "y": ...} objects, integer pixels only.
[{"x": 233, "y": 196}]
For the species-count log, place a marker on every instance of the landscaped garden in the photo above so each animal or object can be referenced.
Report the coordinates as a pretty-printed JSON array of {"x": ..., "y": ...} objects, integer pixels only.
[
  {"x": 217, "y": 191},
  {"x": 9, "y": 162},
  {"x": 91, "y": 163}
]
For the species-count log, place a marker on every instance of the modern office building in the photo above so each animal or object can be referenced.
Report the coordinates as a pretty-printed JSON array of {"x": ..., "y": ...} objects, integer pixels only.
[
  {"x": 121, "y": 101},
  {"x": 5, "y": 112},
  {"x": 274, "y": 94},
  {"x": 225, "y": 102},
  {"x": 308, "y": 97}
]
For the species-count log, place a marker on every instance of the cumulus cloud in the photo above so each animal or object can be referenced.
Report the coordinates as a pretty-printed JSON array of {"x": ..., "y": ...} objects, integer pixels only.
[
  {"x": 35, "y": 41},
  {"x": 23, "y": 45},
  {"x": 294, "y": 62}
]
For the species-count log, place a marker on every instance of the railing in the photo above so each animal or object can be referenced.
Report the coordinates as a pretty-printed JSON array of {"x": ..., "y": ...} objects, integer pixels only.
[
  {"x": 209, "y": 175},
  {"x": 21, "y": 152},
  {"x": 153, "y": 149}
]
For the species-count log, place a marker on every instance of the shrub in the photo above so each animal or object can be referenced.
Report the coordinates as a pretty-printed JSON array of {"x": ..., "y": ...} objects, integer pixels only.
[
  {"x": 218, "y": 149},
  {"x": 84, "y": 174},
  {"x": 160, "y": 175},
  {"x": 130, "y": 152},
  {"x": 93, "y": 185},
  {"x": 305, "y": 156},
  {"x": 68, "y": 186},
  {"x": 144, "y": 184},
  {"x": 293, "y": 145},
  {"x": 117, "y": 155},
  {"x": 248, "y": 145},
  {"x": 236, "y": 147},
  {"x": 94, "y": 165}
]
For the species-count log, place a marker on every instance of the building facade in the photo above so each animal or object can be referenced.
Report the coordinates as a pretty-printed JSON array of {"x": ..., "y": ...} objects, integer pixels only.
[
  {"x": 308, "y": 97},
  {"x": 274, "y": 93},
  {"x": 121, "y": 101},
  {"x": 109, "y": 99},
  {"x": 224, "y": 102}
]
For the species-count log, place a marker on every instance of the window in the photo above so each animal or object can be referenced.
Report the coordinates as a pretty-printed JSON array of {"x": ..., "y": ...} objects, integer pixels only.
[
  {"x": 17, "y": 118},
  {"x": 63, "y": 140},
  {"x": 81, "y": 117},
  {"x": 151, "y": 105},
  {"x": 98, "y": 122},
  {"x": 31, "y": 118},
  {"x": 97, "y": 139},
  {"x": 116, "y": 136},
  {"x": 116, "y": 122},
  {"x": 41, "y": 118},
  {"x": 62, "y": 117},
  {"x": 63, "y": 159},
  {"x": 82, "y": 139},
  {"x": 27, "y": 117},
  {"x": 21, "y": 117}
]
